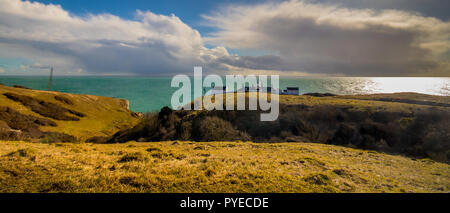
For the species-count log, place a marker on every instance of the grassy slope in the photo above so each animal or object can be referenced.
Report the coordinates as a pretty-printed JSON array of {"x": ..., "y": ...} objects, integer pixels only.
[
  {"x": 370, "y": 102},
  {"x": 402, "y": 96},
  {"x": 374, "y": 102},
  {"x": 104, "y": 116},
  {"x": 212, "y": 167}
]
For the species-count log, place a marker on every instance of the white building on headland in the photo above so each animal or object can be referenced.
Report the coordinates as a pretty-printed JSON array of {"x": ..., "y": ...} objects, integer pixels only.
[
  {"x": 291, "y": 91},
  {"x": 287, "y": 91}
]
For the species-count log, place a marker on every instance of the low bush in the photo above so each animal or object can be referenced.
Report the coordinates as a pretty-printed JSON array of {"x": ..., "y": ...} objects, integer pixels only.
[{"x": 63, "y": 99}]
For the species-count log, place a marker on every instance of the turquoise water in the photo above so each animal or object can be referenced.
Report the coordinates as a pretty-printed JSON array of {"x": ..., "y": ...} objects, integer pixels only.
[{"x": 153, "y": 93}]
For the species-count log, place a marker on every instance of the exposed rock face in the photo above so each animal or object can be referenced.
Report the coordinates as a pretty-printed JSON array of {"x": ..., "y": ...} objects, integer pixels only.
[
  {"x": 125, "y": 103},
  {"x": 137, "y": 114}
]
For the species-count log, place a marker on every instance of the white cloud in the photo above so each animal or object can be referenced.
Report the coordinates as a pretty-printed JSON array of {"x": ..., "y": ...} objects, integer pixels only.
[
  {"x": 47, "y": 34},
  {"x": 301, "y": 39},
  {"x": 322, "y": 38},
  {"x": 2, "y": 70}
]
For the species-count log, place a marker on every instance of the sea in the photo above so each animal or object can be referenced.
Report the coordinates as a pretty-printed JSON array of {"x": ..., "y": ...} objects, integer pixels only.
[{"x": 147, "y": 94}]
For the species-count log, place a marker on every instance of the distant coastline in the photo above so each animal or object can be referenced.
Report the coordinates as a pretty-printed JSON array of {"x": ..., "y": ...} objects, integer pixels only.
[{"x": 148, "y": 94}]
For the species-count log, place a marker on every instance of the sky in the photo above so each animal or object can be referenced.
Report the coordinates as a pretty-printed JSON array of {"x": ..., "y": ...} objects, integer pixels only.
[{"x": 163, "y": 38}]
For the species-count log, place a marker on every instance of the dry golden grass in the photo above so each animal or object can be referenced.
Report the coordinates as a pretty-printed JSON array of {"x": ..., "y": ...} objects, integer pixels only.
[
  {"x": 375, "y": 102},
  {"x": 212, "y": 167}
]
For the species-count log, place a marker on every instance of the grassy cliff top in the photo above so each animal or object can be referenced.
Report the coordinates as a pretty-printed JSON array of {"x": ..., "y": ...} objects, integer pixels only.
[
  {"x": 82, "y": 116},
  {"x": 212, "y": 167},
  {"x": 389, "y": 102},
  {"x": 395, "y": 102},
  {"x": 223, "y": 166}
]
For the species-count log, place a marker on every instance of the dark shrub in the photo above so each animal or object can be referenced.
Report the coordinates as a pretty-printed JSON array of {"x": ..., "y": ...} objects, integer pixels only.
[
  {"x": 216, "y": 129},
  {"x": 345, "y": 134},
  {"x": 437, "y": 141},
  {"x": 185, "y": 131},
  {"x": 27, "y": 152}
]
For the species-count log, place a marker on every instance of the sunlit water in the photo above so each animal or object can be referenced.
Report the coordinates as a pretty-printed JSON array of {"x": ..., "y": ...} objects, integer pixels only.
[{"x": 152, "y": 93}]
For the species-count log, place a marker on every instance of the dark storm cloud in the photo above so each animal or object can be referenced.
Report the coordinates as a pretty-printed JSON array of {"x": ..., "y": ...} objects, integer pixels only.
[
  {"x": 434, "y": 8},
  {"x": 327, "y": 39},
  {"x": 99, "y": 44},
  {"x": 267, "y": 62}
]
